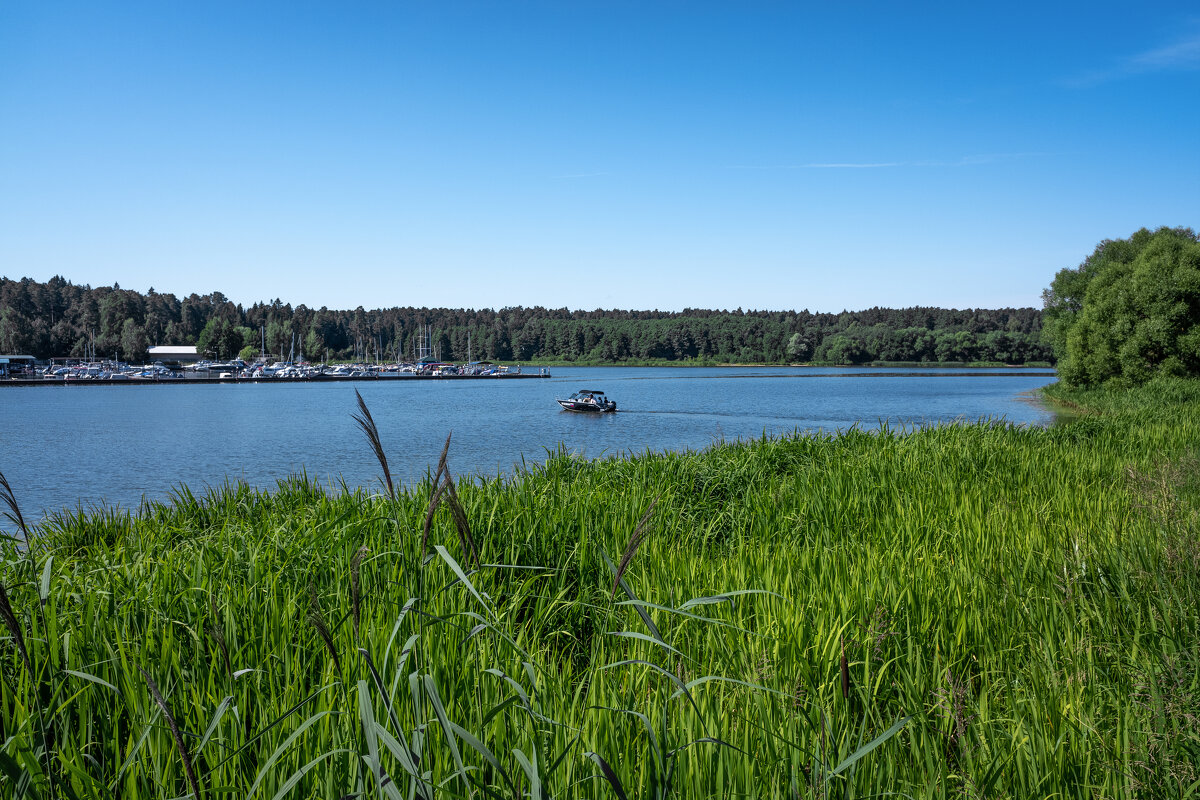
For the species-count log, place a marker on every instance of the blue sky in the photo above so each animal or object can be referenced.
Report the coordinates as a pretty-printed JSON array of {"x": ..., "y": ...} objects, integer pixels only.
[{"x": 591, "y": 154}]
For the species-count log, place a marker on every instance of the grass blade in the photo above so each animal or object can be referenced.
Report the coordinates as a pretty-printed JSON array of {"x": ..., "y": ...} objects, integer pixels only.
[
  {"x": 279, "y": 751},
  {"x": 179, "y": 745},
  {"x": 637, "y": 604},
  {"x": 295, "y": 777},
  {"x": 724, "y": 597},
  {"x": 531, "y": 772},
  {"x": 212, "y": 726},
  {"x": 462, "y": 576},
  {"x": 92, "y": 678},
  {"x": 609, "y": 775},
  {"x": 44, "y": 585},
  {"x": 869, "y": 746},
  {"x": 479, "y": 747},
  {"x": 440, "y": 710}
]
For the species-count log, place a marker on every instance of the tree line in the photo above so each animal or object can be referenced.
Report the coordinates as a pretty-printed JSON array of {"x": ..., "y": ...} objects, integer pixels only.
[{"x": 60, "y": 319}]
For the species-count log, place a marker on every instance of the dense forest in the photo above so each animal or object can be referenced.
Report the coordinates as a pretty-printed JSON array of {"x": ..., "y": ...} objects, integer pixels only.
[{"x": 61, "y": 319}]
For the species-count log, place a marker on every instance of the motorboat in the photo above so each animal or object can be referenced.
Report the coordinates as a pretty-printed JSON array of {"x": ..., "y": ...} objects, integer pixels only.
[{"x": 587, "y": 400}]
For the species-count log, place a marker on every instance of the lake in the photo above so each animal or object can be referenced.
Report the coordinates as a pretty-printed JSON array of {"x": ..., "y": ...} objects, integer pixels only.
[{"x": 63, "y": 446}]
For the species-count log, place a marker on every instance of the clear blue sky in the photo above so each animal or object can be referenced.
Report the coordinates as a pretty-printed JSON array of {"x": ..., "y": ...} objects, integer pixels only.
[{"x": 604, "y": 154}]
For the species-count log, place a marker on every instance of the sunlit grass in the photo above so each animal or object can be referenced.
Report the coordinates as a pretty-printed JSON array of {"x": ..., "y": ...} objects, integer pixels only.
[{"x": 1026, "y": 602}]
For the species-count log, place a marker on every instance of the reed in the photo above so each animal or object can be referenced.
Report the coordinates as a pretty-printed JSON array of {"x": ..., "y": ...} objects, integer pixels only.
[
  {"x": 316, "y": 618},
  {"x": 14, "y": 628},
  {"x": 366, "y": 423},
  {"x": 216, "y": 632},
  {"x": 971, "y": 610},
  {"x": 631, "y": 548},
  {"x": 355, "y": 589},
  {"x": 180, "y": 747}
]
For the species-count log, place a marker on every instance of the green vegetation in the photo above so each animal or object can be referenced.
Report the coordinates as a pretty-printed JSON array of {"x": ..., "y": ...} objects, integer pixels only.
[
  {"x": 60, "y": 319},
  {"x": 1001, "y": 612},
  {"x": 1130, "y": 312}
]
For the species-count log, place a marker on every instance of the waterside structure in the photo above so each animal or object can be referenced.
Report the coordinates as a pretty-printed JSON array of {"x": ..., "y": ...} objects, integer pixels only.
[{"x": 110, "y": 373}]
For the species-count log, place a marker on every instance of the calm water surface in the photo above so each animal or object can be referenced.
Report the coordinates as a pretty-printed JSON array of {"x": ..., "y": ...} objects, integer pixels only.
[{"x": 68, "y": 445}]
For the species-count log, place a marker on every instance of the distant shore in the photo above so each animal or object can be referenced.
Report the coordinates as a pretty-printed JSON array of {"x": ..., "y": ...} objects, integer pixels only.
[
  {"x": 800, "y": 364},
  {"x": 542, "y": 371}
]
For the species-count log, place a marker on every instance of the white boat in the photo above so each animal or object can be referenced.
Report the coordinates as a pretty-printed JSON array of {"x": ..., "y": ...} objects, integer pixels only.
[{"x": 590, "y": 401}]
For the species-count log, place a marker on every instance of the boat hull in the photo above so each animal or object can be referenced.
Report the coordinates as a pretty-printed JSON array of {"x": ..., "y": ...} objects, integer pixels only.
[{"x": 587, "y": 408}]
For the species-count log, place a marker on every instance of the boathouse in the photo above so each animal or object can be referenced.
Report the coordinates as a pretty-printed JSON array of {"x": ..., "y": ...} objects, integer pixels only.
[
  {"x": 13, "y": 366},
  {"x": 174, "y": 355}
]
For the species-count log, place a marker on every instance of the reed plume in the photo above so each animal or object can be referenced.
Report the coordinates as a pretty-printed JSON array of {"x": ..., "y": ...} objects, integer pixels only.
[
  {"x": 14, "y": 511},
  {"x": 10, "y": 622},
  {"x": 371, "y": 431},
  {"x": 635, "y": 541},
  {"x": 179, "y": 745},
  {"x": 317, "y": 620},
  {"x": 461, "y": 524},
  {"x": 441, "y": 465},
  {"x": 435, "y": 500},
  {"x": 445, "y": 492}
]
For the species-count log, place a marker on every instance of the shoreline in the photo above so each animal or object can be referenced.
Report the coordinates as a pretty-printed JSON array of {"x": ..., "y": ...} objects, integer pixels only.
[{"x": 875, "y": 371}]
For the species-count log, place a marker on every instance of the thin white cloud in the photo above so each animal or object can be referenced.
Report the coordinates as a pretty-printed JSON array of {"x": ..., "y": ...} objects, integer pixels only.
[
  {"x": 819, "y": 166},
  {"x": 1180, "y": 55},
  {"x": 851, "y": 166}
]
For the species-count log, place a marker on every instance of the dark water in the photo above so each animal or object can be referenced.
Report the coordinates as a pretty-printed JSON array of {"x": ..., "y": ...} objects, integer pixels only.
[{"x": 66, "y": 445}]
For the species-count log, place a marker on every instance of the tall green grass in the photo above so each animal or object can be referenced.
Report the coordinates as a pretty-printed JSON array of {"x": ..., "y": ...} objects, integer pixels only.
[{"x": 968, "y": 611}]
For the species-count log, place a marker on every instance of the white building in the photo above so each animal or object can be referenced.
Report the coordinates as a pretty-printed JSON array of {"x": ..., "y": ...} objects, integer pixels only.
[{"x": 174, "y": 355}]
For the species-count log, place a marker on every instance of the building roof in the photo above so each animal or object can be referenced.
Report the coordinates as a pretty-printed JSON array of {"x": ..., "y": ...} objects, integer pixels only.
[{"x": 173, "y": 351}]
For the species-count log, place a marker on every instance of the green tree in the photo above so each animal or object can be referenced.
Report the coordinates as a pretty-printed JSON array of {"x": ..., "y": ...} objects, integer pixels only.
[
  {"x": 279, "y": 338},
  {"x": 133, "y": 341},
  {"x": 232, "y": 340},
  {"x": 314, "y": 345},
  {"x": 1130, "y": 312},
  {"x": 14, "y": 332},
  {"x": 799, "y": 347},
  {"x": 210, "y": 336},
  {"x": 842, "y": 349}
]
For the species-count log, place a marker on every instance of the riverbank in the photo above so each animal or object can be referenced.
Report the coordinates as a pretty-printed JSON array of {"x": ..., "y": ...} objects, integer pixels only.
[{"x": 1025, "y": 601}]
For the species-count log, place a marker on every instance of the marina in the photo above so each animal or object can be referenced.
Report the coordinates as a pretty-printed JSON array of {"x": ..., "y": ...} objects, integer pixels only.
[{"x": 117, "y": 374}]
